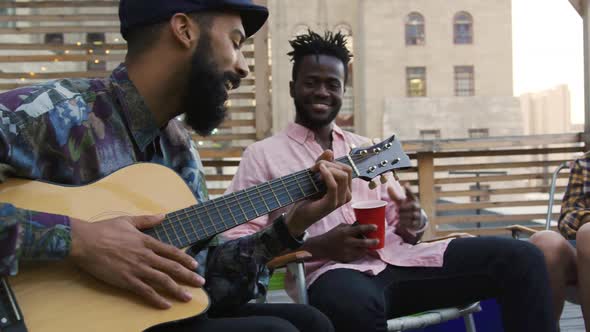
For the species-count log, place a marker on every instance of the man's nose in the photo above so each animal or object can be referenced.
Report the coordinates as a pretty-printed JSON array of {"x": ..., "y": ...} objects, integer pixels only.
[
  {"x": 242, "y": 66},
  {"x": 322, "y": 91}
]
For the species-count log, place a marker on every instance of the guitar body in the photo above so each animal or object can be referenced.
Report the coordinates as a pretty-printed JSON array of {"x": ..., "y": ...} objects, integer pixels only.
[{"x": 57, "y": 296}]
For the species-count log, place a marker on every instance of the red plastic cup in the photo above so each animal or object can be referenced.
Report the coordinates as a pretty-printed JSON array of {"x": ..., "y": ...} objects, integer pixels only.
[{"x": 372, "y": 212}]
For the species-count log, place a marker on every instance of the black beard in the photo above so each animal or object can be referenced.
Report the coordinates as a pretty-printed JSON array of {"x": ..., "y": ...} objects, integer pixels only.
[
  {"x": 310, "y": 122},
  {"x": 204, "y": 102}
]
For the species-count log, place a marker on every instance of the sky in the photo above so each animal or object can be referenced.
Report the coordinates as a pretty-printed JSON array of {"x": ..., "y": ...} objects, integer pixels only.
[{"x": 548, "y": 49}]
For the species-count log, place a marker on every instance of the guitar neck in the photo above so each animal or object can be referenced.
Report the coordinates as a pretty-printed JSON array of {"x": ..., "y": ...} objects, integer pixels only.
[{"x": 199, "y": 222}]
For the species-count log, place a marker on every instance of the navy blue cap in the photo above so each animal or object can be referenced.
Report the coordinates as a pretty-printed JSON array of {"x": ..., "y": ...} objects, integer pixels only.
[{"x": 134, "y": 13}]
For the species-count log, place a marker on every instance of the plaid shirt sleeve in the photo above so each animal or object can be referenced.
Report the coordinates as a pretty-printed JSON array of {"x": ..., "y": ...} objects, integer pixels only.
[
  {"x": 575, "y": 206},
  {"x": 30, "y": 235}
]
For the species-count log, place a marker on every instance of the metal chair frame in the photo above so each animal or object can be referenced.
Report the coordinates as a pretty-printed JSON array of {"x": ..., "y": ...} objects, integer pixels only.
[{"x": 419, "y": 320}]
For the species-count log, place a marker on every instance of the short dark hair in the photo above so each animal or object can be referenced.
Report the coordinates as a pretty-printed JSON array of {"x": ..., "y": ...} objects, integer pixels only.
[
  {"x": 311, "y": 43},
  {"x": 142, "y": 38}
]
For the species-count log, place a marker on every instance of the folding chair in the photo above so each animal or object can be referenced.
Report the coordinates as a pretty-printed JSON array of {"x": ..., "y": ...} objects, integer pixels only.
[
  {"x": 518, "y": 230},
  {"x": 294, "y": 263}
]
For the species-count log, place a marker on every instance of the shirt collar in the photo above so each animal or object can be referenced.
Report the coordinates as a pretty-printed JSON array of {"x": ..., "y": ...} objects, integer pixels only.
[
  {"x": 301, "y": 134},
  {"x": 141, "y": 120}
]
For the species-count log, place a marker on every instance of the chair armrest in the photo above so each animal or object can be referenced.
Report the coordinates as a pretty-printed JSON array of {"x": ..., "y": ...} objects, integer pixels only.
[
  {"x": 293, "y": 257},
  {"x": 517, "y": 229},
  {"x": 450, "y": 236}
]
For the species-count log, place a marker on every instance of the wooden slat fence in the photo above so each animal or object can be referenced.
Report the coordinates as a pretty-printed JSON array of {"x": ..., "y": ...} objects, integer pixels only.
[
  {"x": 46, "y": 40},
  {"x": 482, "y": 185}
]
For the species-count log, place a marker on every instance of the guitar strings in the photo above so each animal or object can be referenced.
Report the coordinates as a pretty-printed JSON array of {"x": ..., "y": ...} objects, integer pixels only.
[
  {"x": 201, "y": 212},
  {"x": 226, "y": 212},
  {"x": 188, "y": 218}
]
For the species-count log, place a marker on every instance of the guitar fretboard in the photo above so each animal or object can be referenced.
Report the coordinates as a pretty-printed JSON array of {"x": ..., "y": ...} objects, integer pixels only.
[{"x": 199, "y": 222}]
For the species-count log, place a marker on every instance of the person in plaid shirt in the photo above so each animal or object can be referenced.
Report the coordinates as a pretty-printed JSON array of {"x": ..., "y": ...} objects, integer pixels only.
[{"x": 568, "y": 263}]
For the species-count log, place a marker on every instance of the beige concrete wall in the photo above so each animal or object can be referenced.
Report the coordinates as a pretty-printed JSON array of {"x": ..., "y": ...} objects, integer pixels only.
[
  {"x": 453, "y": 116},
  {"x": 387, "y": 56}
]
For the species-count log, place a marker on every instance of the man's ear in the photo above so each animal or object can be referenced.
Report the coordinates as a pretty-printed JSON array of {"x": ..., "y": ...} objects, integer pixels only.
[
  {"x": 292, "y": 89},
  {"x": 184, "y": 30}
]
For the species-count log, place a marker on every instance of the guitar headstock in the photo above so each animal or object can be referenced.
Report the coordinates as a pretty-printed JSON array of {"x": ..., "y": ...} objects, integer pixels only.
[{"x": 380, "y": 158}]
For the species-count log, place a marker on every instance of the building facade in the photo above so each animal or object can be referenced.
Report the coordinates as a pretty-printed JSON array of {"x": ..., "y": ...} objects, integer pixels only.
[{"x": 423, "y": 69}]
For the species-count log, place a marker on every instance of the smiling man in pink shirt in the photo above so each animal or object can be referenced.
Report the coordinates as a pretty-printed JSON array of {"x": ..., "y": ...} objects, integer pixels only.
[{"x": 357, "y": 288}]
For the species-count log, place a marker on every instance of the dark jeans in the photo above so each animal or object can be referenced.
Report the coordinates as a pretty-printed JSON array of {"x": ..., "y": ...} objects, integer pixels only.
[
  {"x": 474, "y": 269},
  {"x": 254, "y": 317}
]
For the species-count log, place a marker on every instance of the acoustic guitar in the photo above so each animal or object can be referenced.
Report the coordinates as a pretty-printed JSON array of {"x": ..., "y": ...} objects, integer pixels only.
[{"x": 57, "y": 296}]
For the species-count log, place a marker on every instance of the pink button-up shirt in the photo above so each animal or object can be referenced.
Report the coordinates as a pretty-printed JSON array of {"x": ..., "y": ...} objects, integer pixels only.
[{"x": 295, "y": 149}]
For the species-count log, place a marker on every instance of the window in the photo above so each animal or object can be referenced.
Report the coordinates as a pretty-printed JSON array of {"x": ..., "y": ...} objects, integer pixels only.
[
  {"x": 464, "y": 81},
  {"x": 479, "y": 132},
  {"x": 96, "y": 41},
  {"x": 463, "y": 28},
  {"x": 430, "y": 134},
  {"x": 414, "y": 29},
  {"x": 416, "y": 81}
]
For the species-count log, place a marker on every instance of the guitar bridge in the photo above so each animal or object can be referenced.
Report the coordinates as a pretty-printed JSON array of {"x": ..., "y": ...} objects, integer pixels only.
[{"x": 11, "y": 318}]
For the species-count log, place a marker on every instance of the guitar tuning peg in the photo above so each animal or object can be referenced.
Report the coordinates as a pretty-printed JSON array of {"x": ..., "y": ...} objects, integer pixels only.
[
  {"x": 352, "y": 146},
  {"x": 372, "y": 185},
  {"x": 383, "y": 179},
  {"x": 376, "y": 140},
  {"x": 395, "y": 176}
]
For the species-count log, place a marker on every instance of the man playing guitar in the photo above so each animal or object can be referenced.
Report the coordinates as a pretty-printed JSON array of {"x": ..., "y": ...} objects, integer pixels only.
[{"x": 183, "y": 57}]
